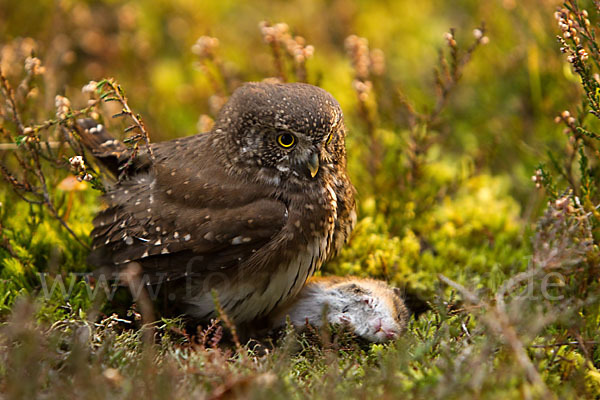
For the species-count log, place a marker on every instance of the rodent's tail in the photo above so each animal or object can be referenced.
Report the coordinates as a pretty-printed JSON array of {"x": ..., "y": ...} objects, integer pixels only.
[{"x": 110, "y": 152}]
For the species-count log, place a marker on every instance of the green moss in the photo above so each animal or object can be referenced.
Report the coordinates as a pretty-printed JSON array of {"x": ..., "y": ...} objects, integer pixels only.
[{"x": 465, "y": 235}]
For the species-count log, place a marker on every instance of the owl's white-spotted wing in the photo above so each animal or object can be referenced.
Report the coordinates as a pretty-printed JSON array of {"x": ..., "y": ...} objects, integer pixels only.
[{"x": 174, "y": 221}]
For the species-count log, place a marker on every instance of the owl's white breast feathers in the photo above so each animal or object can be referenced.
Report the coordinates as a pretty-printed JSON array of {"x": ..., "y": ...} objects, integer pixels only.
[{"x": 245, "y": 303}]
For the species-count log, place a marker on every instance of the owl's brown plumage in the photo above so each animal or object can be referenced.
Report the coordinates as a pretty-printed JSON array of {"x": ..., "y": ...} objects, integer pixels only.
[{"x": 250, "y": 209}]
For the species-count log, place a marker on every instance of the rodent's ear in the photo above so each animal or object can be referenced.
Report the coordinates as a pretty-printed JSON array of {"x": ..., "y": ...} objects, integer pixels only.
[
  {"x": 399, "y": 292},
  {"x": 354, "y": 288}
]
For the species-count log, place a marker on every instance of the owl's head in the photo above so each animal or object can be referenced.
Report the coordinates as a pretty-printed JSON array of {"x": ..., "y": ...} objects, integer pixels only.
[{"x": 289, "y": 133}]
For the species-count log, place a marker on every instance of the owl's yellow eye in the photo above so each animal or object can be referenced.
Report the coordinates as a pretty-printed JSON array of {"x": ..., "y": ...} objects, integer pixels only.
[
  {"x": 329, "y": 138},
  {"x": 286, "y": 140}
]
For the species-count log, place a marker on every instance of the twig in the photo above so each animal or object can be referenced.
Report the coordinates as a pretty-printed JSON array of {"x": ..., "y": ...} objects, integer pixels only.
[
  {"x": 452, "y": 75},
  {"x": 31, "y": 163},
  {"x": 228, "y": 323},
  {"x": 14, "y": 146},
  {"x": 5, "y": 243},
  {"x": 559, "y": 344},
  {"x": 131, "y": 276},
  {"x": 360, "y": 55},
  {"x": 206, "y": 48},
  {"x": 10, "y": 98},
  {"x": 447, "y": 75},
  {"x": 499, "y": 323},
  {"x": 116, "y": 93}
]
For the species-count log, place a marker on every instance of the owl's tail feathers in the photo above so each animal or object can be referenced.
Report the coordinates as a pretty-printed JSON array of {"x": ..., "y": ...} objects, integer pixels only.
[{"x": 110, "y": 152}]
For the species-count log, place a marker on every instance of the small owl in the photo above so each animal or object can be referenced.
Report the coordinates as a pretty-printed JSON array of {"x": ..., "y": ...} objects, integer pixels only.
[{"x": 249, "y": 210}]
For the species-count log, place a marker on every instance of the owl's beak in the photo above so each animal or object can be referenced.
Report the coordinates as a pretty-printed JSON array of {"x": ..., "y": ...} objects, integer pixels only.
[{"x": 313, "y": 164}]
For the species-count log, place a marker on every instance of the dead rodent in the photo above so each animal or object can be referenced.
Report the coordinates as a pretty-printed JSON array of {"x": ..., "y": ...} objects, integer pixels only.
[{"x": 371, "y": 309}]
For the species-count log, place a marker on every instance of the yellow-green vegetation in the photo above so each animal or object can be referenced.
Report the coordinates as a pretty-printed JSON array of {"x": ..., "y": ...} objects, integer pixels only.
[{"x": 446, "y": 128}]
